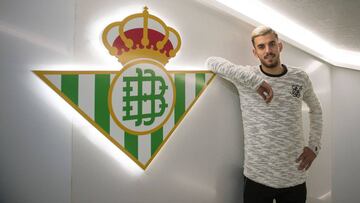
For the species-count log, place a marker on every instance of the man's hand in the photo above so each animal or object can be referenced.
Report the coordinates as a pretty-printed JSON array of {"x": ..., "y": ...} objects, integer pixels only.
[
  {"x": 306, "y": 159},
  {"x": 265, "y": 91}
]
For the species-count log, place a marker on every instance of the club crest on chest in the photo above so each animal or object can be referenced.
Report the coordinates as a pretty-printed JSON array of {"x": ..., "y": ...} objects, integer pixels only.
[{"x": 296, "y": 90}]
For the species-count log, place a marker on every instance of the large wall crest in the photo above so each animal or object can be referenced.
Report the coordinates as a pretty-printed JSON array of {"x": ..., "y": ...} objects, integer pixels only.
[{"x": 138, "y": 107}]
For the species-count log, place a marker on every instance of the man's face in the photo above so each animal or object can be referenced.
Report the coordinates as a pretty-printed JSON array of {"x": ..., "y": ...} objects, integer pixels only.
[{"x": 267, "y": 48}]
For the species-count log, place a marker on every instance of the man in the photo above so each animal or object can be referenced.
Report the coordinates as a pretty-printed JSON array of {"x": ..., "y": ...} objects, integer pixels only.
[{"x": 276, "y": 156}]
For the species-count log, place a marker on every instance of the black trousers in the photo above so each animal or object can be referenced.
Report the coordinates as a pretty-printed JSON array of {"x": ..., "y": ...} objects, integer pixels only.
[{"x": 257, "y": 193}]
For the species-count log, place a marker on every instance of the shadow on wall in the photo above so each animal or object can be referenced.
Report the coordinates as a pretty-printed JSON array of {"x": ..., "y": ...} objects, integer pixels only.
[{"x": 234, "y": 179}]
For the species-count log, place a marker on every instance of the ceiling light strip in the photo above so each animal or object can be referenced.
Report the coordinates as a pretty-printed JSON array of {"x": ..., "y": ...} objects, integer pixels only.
[{"x": 257, "y": 13}]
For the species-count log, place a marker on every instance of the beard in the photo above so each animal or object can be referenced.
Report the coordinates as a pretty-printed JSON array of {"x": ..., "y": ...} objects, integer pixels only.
[{"x": 273, "y": 63}]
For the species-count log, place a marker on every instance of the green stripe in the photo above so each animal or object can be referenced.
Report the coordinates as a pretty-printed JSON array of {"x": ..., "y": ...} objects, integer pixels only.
[
  {"x": 156, "y": 140},
  {"x": 131, "y": 144},
  {"x": 102, "y": 115},
  {"x": 200, "y": 82},
  {"x": 70, "y": 87},
  {"x": 180, "y": 96}
]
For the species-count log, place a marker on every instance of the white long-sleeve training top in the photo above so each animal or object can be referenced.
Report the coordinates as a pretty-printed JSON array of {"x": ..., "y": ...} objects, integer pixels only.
[{"x": 273, "y": 132}]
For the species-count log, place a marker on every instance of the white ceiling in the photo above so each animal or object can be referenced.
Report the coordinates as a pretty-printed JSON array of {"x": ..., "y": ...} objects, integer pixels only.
[
  {"x": 327, "y": 29},
  {"x": 336, "y": 21}
]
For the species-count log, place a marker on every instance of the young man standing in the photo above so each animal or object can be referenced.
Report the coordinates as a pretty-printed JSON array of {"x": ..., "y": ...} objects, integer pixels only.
[{"x": 276, "y": 156}]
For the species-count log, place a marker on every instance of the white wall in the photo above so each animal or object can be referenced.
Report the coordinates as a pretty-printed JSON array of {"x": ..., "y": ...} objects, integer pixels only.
[
  {"x": 48, "y": 150},
  {"x": 346, "y": 139},
  {"x": 35, "y": 138}
]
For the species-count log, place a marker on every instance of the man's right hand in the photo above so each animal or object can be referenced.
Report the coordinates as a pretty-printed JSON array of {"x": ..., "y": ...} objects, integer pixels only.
[{"x": 265, "y": 91}]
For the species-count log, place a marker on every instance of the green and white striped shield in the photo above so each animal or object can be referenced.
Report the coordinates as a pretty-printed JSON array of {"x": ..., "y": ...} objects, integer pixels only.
[{"x": 88, "y": 93}]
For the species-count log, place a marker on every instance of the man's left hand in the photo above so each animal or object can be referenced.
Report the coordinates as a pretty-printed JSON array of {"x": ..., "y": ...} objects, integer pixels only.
[{"x": 306, "y": 159}]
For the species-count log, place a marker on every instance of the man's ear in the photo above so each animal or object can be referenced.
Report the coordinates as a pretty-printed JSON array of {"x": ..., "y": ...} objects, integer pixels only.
[
  {"x": 280, "y": 46},
  {"x": 254, "y": 52}
]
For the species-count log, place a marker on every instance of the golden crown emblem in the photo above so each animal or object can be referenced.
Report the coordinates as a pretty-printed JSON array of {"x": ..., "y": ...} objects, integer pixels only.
[{"x": 141, "y": 35}]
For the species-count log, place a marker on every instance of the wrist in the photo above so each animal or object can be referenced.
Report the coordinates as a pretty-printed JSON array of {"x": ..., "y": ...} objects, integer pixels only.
[{"x": 314, "y": 148}]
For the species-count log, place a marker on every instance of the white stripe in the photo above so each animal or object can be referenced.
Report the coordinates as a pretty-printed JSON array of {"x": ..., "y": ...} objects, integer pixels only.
[
  {"x": 55, "y": 80},
  {"x": 171, "y": 121},
  {"x": 190, "y": 89},
  {"x": 87, "y": 94},
  {"x": 144, "y": 149},
  {"x": 115, "y": 94},
  {"x": 168, "y": 125},
  {"x": 115, "y": 131}
]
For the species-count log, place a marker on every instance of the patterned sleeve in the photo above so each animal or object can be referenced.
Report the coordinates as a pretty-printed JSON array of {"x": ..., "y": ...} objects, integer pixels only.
[
  {"x": 315, "y": 115},
  {"x": 235, "y": 74}
]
